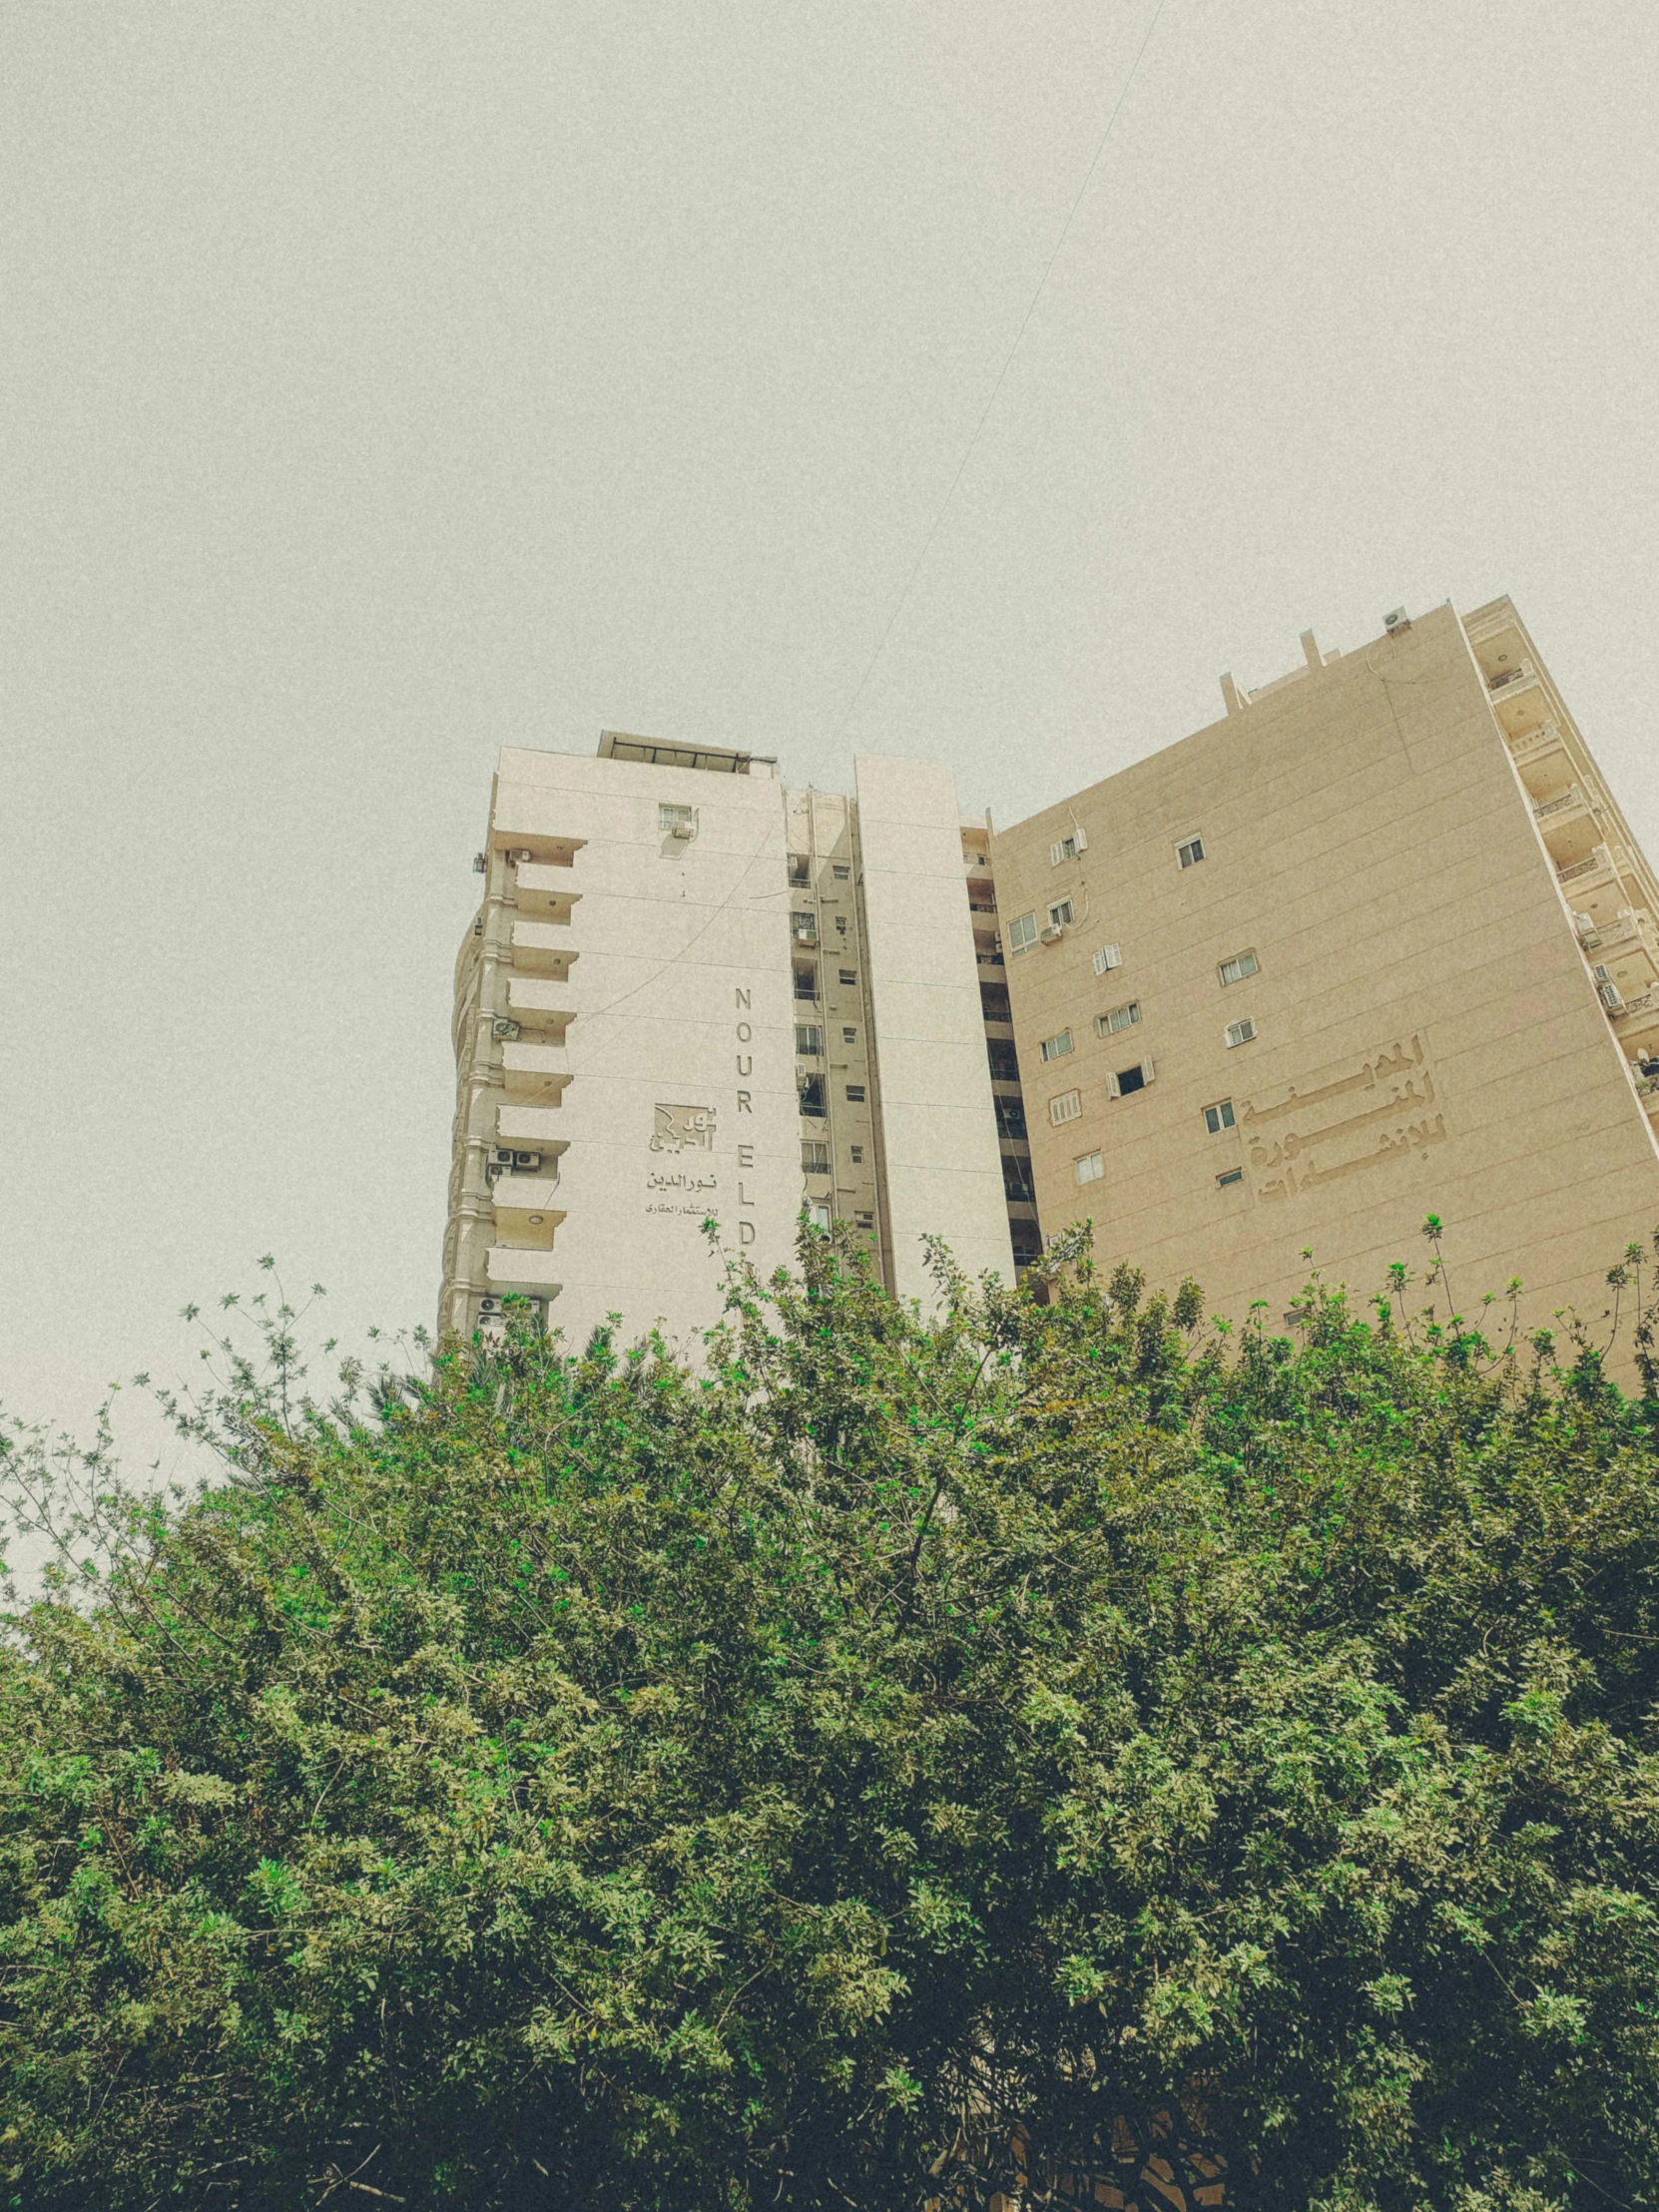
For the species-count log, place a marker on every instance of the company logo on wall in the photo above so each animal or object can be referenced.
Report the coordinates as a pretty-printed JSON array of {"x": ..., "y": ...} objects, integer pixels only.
[{"x": 684, "y": 1129}]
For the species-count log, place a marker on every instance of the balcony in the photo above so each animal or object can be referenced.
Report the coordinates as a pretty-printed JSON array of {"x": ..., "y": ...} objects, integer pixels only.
[
  {"x": 533, "y": 1270},
  {"x": 1597, "y": 869},
  {"x": 525, "y": 1214},
  {"x": 541, "y": 1003},
  {"x": 1522, "y": 672},
  {"x": 541, "y": 949},
  {"x": 1537, "y": 744},
  {"x": 531, "y": 1129},
  {"x": 535, "y": 1074},
  {"x": 1572, "y": 799},
  {"x": 544, "y": 892},
  {"x": 1637, "y": 1016}
]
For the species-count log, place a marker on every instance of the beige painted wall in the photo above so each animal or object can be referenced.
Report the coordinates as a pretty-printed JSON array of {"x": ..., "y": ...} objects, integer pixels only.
[{"x": 1429, "y": 1036}]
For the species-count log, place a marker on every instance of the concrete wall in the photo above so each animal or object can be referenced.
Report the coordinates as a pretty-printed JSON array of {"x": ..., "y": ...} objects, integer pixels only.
[{"x": 1429, "y": 1038}]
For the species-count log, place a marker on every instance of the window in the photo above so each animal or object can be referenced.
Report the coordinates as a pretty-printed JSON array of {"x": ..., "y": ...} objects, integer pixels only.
[
  {"x": 676, "y": 821},
  {"x": 821, "y": 1217},
  {"x": 850, "y": 1036},
  {"x": 1059, "y": 915},
  {"x": 803, "y": 928},
  {"x": 849, "y": 975},
  {"x": 1023, "y": 933},
  {"x": 1190, "y": 851},
  {"x": 1219, "y": 1117},
  {"x": 805, "y": 982},
  {"x": 993, "y": 1002},
  {"x": 1090, "y": 1168},
  {"x": 855, "y": 1092},
  {"x": 1067, "y": 1107},
  {"x": 808, "y": 1040},
  {"x": 1004, "y": 1060},
  {"x": 798, "y": 868},
  {"x": 1063, "y": 848},
  {"x": 857, "y": 1154},
  {"x": 1128, "y": 1081},
  {"x": 1240, "y": 1032},
  {"x": 1057, "y": 1046},
  {"x": 841, "y": 925},
  {"x": 1010, "y": 1116},
  {"x": 814, "y": 1157},
  {"x": 1236, "y": 969},
  {"x": 1232, "y": 1175},
  {"x": 1016, "y": 1178},
  {"x": 842, "y": 873},
  {"x": 864, "y": 1221},
  {"x": 810, "y": 1088},
  {"x": 1109, "y": 956},
  {"x": 1120, "y": 1017}
]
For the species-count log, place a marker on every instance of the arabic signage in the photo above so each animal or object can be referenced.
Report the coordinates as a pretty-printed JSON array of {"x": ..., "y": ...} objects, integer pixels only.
[
  {"x": 684, "y": 1129},
  {"x": 1388, "y": 1109}
]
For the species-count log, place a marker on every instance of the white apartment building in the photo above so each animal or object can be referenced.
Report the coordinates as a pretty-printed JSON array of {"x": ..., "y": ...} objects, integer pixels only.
[{"x": 693, "y": 996}]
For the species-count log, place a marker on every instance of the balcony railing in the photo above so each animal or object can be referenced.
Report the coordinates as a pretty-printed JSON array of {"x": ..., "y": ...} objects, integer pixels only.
[
  {"x": 1648, "y": 1003},
  {"x": 1521, "y": 672},
  {"x": 1600, "y": 862},
  {"x": 1544, "y": 739},
  {"x": 1543, "y": 808}
]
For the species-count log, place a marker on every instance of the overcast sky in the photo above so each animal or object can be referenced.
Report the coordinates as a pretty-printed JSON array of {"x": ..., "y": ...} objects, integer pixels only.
[{"x": 383, "y": 383}]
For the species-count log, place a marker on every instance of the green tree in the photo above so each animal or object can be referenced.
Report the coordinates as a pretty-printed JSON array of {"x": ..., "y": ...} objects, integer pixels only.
[{"x": 873, "y": 1768}]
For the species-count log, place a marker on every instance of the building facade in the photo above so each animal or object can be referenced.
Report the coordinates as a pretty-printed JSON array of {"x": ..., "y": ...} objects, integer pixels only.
[
  {"x": 1376, "y": 943},
  {"x": 691, "y": 995}
]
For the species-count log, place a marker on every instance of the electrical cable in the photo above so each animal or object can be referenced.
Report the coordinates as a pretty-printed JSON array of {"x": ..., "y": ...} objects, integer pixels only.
[{"x": 1001, "y": 375}]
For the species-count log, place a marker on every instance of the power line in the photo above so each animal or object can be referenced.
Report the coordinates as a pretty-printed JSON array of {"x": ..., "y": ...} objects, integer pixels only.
[{"x": 1001, "y": 373}]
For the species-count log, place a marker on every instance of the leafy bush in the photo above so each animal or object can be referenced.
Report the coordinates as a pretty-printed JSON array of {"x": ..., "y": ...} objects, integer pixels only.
[{"x": 856, "y": 1771}]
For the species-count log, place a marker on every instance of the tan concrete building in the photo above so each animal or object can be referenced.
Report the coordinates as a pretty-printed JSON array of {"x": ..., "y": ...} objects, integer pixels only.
[
  {"x": 1376, "y": 943},
  {"x": 690, "y": 994}
]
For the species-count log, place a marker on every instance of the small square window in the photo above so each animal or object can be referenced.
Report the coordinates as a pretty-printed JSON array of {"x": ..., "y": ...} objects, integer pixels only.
[
  {"x": 864, "y": 1221},
  {"x": 1240, "y": 1032},
  {"x": 840, "y": 874},
  {"x": 1120, "y": 1017},
  {"x": 1232, "y": 1175},
  {"x": 1059, "y": 915},
  {"x": 1067, "y": 1107},
  {"x": 1219, "y": 1117},
  {"x": 1057, "y": 1046},
  {"x": 1063, "y": 848},
  {"x": 1090, "y": 1168},
  {"x": 1023, "y": 933},
  {"x": 855, "y": 1092},
  {"x": 857, "y": 1154},
  {"x": 1109, "y": 956},
  {"x": 676, "y": 821},
  {"x": 849, "y": 975},
  {"x": 1236, "y": 969},
  {"x": 850, "y": 1036},
  {"x": 808, "y": 1040},
  {"x": 814, "y": 1158},
  {"x": 1190, "y": 851}
]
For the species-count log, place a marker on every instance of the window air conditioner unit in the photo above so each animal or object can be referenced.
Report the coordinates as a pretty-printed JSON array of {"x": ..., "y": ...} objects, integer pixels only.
[
  {"x": 682, "y": 829},
  {"x": 1612, "y": 997},
  {"x": 1052, "y": 932}
]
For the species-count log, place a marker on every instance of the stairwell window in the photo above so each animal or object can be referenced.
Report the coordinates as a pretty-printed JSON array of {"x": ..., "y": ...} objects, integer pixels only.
[
  {"x": 1023, "y": 933},
  {"x": 1226, "y": 1180},
  {"x": 1090, "y": 1168},
  {"x": 1236, "y": 969},
  {"x": 1057, "y": 1046},
  {"x": 849, "y": 975},
  {"x": 1067, "y": 1107},
  {"x": 855, "y": 1092},
  {"x": 1109, "y": 956},
  {"x": 1190, "y": 851},
  {"x": 1219, "y": 1117},
  {"x": 1240, "y": 1032},
  {"x": 840, "y": 874},
  {"x": 1120, "y": 1017}
]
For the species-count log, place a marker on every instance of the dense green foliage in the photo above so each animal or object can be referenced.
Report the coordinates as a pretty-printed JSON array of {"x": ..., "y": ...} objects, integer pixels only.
[{"x": 584, "y": 1778}]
